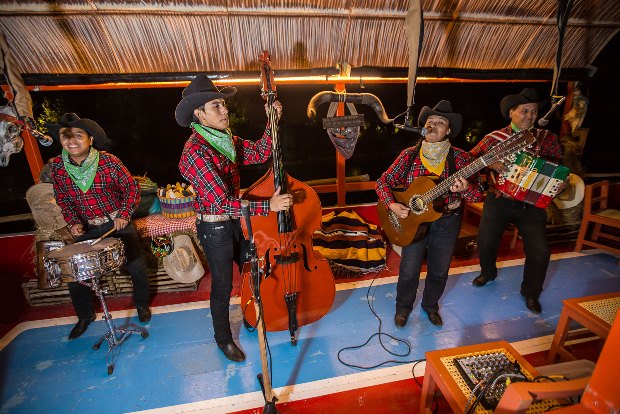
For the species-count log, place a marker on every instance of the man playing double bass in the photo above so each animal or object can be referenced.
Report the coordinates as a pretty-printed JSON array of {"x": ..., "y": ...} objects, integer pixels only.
[
  {"x": 500, "y": 209},
  {"x": 210, "y": 162}
]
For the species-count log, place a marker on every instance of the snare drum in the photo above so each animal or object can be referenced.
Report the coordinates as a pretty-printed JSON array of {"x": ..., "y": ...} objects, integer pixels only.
[
  {"x": 81, "y": 261},
  {"x": 44, "y": 278}
]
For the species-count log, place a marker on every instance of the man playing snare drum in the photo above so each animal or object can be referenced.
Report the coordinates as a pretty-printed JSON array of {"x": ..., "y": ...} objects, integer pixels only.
[
  {"x": 96, "y": 193},
  {"x": 500, "y": 210}
]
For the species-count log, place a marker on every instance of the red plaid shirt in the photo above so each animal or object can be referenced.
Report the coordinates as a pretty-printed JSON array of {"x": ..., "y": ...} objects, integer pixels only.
[
  {"x": 216, "y": 179},
  {"x": 408, "y": 166},
  {"x": 547, "y": 147},
  {"x": 114, "y": 189}
]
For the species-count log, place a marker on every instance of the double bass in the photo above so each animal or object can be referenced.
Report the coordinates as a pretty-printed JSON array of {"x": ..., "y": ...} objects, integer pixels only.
[{"x": 297, "y": 288}]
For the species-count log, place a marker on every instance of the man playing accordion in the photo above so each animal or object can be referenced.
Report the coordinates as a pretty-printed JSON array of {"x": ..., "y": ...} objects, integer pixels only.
[{"x": 500, "y": 209}]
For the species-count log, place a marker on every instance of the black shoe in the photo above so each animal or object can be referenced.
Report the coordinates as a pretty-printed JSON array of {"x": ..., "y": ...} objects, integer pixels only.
[
  {"x": 80, "y": 327},
  {"x": 481, "y": 280},
  {"x": 400, "y": 319},
  {"x": 533, "y": 305},
  {"x": 435, "y": 318},
  {"x": 232, "y": 351},
  {"x": 144, "y": 313}
]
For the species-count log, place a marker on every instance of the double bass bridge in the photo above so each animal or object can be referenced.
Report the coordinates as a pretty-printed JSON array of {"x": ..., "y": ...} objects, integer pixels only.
[
  {"x": 293, "y": 258},
  {"x": 288, "y": 259}
]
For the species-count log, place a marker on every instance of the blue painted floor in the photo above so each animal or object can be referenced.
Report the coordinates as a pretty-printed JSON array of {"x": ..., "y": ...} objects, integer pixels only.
[{"x": 41, "y": 371}]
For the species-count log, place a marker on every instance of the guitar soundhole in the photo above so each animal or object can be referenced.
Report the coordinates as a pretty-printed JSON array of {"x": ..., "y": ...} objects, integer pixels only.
[{"x": 417, "y": 205}]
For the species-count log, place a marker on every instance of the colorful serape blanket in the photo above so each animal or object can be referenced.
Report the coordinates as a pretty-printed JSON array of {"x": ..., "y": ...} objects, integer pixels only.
[
  {"x": 158, "y": 225},
  {"x": 349, "y": 244}
]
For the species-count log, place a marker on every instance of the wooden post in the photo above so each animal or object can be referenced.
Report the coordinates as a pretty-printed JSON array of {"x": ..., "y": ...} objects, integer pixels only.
[
  {"x": 340, "y": 160},
  {"x": 33, "y": 155}
]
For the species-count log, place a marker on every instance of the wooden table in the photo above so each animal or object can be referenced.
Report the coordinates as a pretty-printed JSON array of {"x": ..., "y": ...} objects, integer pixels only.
[
  {"x": 596, "y": 313},
  {"x": 441, "y": 373}
]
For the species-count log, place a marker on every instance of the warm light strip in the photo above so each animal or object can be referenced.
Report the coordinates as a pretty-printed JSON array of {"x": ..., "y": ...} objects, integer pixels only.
[{"x": 301, "y": 80}]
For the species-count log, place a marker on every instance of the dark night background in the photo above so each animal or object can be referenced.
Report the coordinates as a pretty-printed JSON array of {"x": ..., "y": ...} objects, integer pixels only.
[{"x": 144, "y": 134}]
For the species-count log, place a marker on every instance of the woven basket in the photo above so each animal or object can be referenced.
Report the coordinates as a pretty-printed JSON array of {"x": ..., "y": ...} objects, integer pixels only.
[{"x": 177, "y": 207}]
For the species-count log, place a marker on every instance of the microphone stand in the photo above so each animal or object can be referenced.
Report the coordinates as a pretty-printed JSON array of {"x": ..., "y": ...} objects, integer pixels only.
[
  {"x": 408, "y": 126},
  {"x": 545, "y": 119},
  {"x": 264, "y": 379}
]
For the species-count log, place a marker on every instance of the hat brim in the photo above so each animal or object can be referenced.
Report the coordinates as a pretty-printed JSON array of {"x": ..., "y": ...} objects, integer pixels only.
[
  {"x": 185, "y": 109},
  {"x": 573, "y": 195},
  {"x": 183, "y": 242},
  {"x": 455, "y": 120},
  {"x": 510, "y": 101},
  {"x": 99, "y": 136}
]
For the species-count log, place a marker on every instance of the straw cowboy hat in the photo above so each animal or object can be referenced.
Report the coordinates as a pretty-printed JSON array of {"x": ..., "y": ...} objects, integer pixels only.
[
  {"x": 572, "y": 195},
  {"x": 71, "y": 120},
  {"x": 527, "y": 95},
  {"x": 443, "y": 109},
  {"x": 197, "y": 93},
  {"x": 183, "y": 264}
]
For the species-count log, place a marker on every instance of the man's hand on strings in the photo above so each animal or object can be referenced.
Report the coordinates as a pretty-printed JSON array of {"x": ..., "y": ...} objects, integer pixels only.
[
  {"x": 460, "y": 185},
  {"x": 280, "y": 202},
  {"x": 399, "y": 209}
]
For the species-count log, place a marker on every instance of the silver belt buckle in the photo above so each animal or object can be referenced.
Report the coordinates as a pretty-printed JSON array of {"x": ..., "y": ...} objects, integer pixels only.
[
  {"x": 213, "y": 218},
  {"x": 98, "y": 221}
]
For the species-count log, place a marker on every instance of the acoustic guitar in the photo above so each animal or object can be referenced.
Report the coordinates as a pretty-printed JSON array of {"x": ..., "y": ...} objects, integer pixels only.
[{"x": 423, "y": 191}]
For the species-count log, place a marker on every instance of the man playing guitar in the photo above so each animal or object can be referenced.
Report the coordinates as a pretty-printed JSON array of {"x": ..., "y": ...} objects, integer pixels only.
[{"x": 433, "y": 157}]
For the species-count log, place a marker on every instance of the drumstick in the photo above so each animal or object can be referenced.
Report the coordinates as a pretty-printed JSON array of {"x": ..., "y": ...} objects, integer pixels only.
[{"x": 92, "y": 243}]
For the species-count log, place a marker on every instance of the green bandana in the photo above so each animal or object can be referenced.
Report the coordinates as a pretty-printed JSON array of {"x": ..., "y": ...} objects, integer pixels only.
[
  {"x": 82, "y": 175},
  {"x": 222, "y": 141}
]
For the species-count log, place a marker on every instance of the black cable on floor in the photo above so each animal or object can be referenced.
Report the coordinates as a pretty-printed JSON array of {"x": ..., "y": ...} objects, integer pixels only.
[{"x": 379, "y": 334}]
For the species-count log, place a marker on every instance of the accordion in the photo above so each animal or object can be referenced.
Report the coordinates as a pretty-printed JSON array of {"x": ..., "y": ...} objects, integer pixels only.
[{"x": 532, "y": 180}]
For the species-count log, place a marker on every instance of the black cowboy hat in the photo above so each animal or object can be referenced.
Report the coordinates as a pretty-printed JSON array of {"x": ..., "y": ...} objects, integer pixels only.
[
  {"x": 71, "y": 120},
  {"x": 200, "y": 90},
  {"x": 527, "y": 95},
  {"x": 443, "y": 109}
]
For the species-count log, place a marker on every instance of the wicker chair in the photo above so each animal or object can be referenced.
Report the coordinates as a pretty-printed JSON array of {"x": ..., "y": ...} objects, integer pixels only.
[{"x": 596, "y": 212}]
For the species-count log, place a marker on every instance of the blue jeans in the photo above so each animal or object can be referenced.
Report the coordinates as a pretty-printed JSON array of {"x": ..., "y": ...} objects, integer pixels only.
[
  {"x": 438, "y": 246},
  {"x": 221, "y": 243},
  {"x": 81, "y": 295},
  {"x": 531, "y": 221}
]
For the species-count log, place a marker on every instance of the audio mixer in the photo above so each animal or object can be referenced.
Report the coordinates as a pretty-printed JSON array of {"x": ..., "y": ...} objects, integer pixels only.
[{"x": 493, "y": 369}]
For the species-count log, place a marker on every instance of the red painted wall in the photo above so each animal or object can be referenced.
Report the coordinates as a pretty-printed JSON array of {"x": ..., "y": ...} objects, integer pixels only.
[{"x": 16, "y": 267}]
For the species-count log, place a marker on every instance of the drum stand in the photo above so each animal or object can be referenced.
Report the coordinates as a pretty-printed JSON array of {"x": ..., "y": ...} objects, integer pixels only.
[{"x": 115, "y": 336}]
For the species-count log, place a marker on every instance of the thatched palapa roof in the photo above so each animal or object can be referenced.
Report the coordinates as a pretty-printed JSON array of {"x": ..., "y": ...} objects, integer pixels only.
[{"x": 113, "y": 37}]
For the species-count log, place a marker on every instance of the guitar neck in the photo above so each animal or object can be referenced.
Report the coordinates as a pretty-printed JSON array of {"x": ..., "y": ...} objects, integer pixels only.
[
  {"x": 444, "y": 186},
  {"x": 512, "y": 144}
]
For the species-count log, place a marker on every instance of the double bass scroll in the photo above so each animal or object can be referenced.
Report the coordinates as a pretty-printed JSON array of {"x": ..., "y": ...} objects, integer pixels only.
[{"x": 297, "y": 288}]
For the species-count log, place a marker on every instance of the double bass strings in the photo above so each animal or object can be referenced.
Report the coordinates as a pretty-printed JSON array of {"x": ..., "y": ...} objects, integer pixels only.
[{"x": 291, "y": 278}]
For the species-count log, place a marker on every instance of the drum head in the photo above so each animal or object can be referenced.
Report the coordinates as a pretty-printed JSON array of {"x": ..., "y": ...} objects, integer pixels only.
[{"x": 82, "y": 247}]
